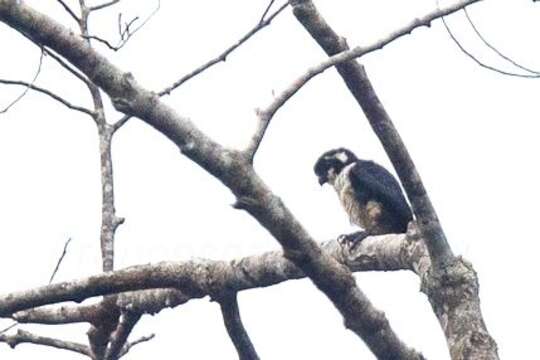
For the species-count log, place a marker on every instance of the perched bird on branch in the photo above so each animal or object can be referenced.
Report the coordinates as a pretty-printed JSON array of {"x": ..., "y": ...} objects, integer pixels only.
[{"x": 370, "y": 195}]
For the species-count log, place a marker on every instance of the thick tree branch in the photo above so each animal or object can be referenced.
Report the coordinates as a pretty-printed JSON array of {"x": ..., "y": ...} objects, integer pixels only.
[
  {"x": 199, "y": 278},
  {"x": 230, "y": 167},
  {"x": 235, "y": 327},
  {"x": 452, "y": 285},
  {"x": 26, "y": 337}
]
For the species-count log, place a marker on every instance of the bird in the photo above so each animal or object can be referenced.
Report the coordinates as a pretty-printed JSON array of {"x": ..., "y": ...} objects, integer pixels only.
[{"x": 369, "y": 194}]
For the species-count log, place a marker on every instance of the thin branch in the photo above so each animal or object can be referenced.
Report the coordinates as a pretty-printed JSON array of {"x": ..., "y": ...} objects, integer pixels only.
[
  {"x": 220, "y": 58},
  {"x": 60, "y": 260},
  {"x": 28, "y": 85},
  {"x": 235, "y": 328},
  {"x": 223, "y": 56},
  {"x": 126, "y": 34},
  {"x": 484, "y": 65},
  {"x": 489, "y": 45},
  {"x": 69, "y": 11},
  {"x": 26, "y": 337},
  {"x": 104, "y": 5},
  {"x": 268, "y": 10},
  {"x": 265, "y": 115},
  {"x": 66, "y": 66},
  {"x": 5, "y": 330},
  {"x": 131, "y": 344},
  {"x": 119, "y": 337},
  {"x": 48, "y": 93}
]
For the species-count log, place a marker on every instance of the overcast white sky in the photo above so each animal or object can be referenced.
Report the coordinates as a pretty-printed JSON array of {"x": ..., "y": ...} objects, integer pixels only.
[{"x": 472, "y": 133}]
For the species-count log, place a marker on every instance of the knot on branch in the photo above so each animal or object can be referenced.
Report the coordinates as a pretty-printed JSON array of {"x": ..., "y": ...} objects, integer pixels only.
[{"x": 452, "y": 283}]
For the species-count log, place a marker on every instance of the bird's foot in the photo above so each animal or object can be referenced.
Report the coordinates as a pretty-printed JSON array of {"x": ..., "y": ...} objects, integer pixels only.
[{"x": 350, "y": 241}]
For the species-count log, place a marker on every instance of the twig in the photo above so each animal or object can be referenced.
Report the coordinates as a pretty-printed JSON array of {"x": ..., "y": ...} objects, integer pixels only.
[
  {"x": 267, "y": 10},
  {"x": 104, "y": 5},
  {"x": 131, "y": 344},
  {"x": 265, "y": 115},
  {"x": 26, "y": 337},
  {"x": 224, "y": 54},
  {"x": 220, "y": 58},
  {"x": 8, "y": 328},
  {"x": 126, "y": 34},
  {"x": 60, "y": 260},
  {"x": 48, "y": 93},
  {"x": 66, "y": 66},
  {"x": 28, "y": 85},
  {"x": 482, "y": 64},
  {"x": 69, "y": 11},
  {"x": 235, "y": 328},
  {"x": 489, "y": 45}
]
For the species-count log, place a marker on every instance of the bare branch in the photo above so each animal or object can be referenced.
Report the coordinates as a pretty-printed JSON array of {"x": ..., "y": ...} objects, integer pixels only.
[
  {"x": 334, "y": 280},
  {"x": 223, "y": 56},
  {"x": 60, "y": 260},
  {"x": 5, "y": 330},
  {"x": 125, "y": 34},
  {"x": 220, "y": 58},
  {"x": 66, "y": 66},
  {"x": 26, "y": 337},
  {"x": 267, "y": 10},
  {"x": 265, "y": 115},
  {"x": 235, "y": 328},
  {"x": 28, "y": 85},
  {"x": 451, "y": 284},
  {"x": 46, "y": 92},
  {"x": 202, "y": 277},
  {"x": 482, "y": 64},
  {"x": 104, "y": 5},
  {"x": 60, "y": 315},
  {"x": 69, "y": 11},
  {"x": 131, "y": 344},
  {"x": 119, "y": 337}
]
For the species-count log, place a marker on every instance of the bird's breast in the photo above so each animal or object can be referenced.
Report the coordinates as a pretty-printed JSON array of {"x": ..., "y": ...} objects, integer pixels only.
[{"x": 348, "y": 198}]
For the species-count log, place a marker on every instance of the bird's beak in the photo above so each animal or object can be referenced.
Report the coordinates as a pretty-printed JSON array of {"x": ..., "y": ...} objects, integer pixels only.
[{"x": 322, "y": 180}]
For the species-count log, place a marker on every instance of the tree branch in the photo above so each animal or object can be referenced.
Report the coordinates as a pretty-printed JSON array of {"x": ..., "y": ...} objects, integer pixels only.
[
  {"x": 28, "y": 85},
  {"x": 230, "y": 167},
  {"x": 203, "y": 277},
  {"x": 223, "y": 56},
  {"x": 49, "y": 93},
  {"x": 339, "y": 54},
  {"x": 69, "y": 11},
  {"x": 235, "y": 328},
  {"x": 119, "y": 337},
  {"x": 60, "y": 259},
  {"x": 26, "y": 337},
  {"x": 451, "y": 285},
  {"x": 104, "y": 5},
  {"x": 533, "y": 74},
  {"x": 131, "y": 344}
]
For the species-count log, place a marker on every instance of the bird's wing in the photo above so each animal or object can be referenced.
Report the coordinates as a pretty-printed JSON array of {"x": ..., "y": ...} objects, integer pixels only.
[{"x": 372, "y": 181}]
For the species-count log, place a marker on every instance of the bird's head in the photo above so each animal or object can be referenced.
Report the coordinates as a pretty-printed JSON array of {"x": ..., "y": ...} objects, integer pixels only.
[{"x": 330, "y": 164}]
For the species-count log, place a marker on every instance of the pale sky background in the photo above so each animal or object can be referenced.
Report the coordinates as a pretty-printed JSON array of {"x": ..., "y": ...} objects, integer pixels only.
[{"x": 472, "y": 133}]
